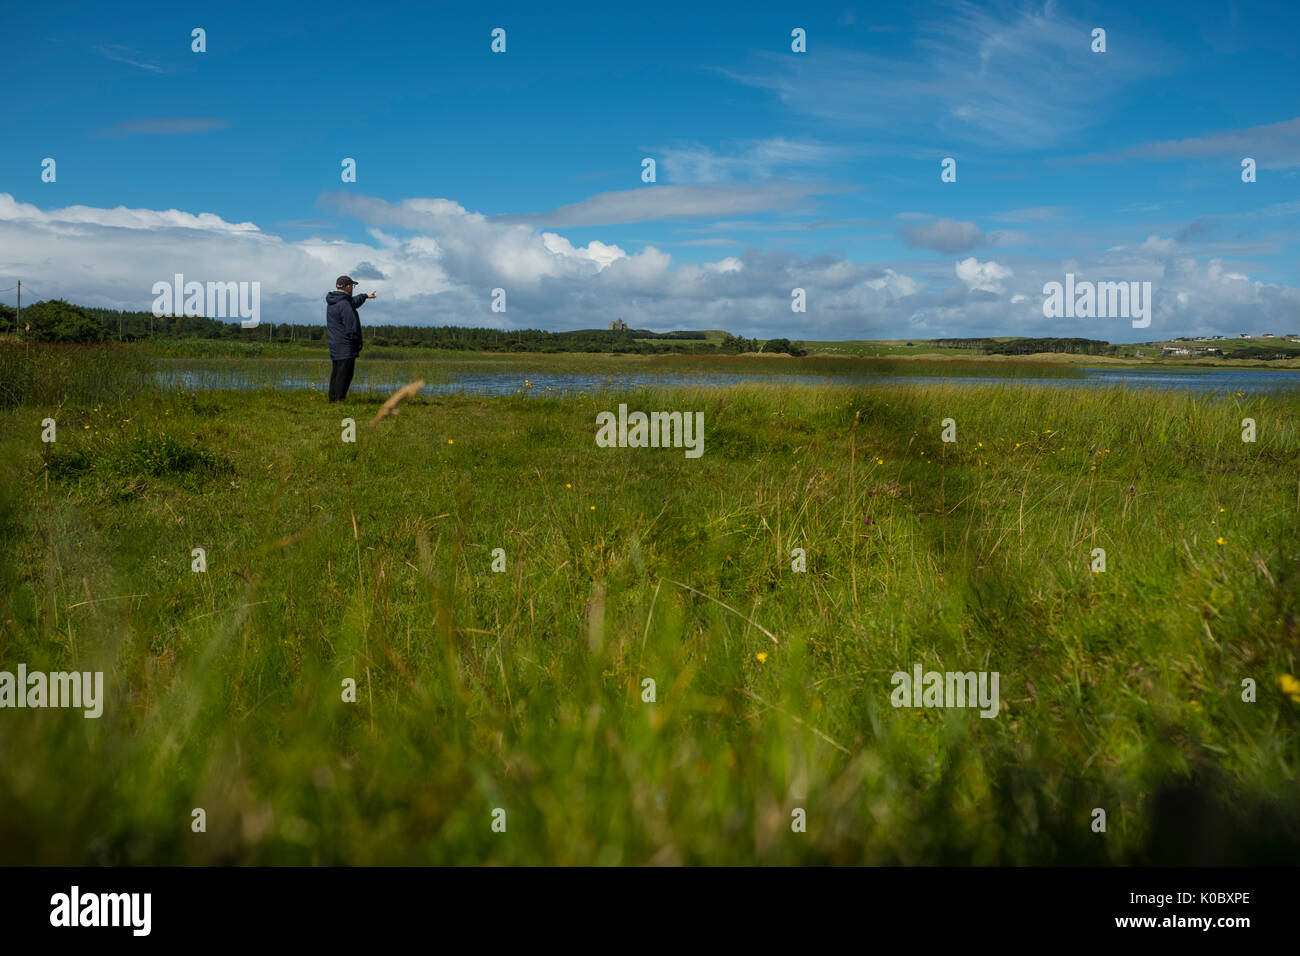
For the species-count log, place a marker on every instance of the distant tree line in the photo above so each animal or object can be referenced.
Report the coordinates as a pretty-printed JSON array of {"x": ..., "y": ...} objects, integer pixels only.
[
  {"x": 1029, "y": 346},
  {"x": 1067, "y": 346},
  {"x": 59, "y": 321}
]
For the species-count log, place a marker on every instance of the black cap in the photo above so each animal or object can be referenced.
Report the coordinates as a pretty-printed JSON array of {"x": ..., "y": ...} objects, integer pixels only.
[{"x": 343, "y": 282}]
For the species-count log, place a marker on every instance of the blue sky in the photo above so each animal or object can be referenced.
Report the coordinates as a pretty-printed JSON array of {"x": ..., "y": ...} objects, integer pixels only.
[{"x": 775, "y": 169}]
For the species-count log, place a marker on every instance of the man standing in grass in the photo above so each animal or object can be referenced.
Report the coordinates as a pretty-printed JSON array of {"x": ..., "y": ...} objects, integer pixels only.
[{"x": 343, "y": 326}]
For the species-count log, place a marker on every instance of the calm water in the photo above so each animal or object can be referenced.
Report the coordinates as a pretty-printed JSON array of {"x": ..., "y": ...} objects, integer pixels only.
[{"x": 508, "y": 382}]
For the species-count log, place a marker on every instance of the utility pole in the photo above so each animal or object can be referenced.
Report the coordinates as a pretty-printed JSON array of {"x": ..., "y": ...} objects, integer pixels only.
[{"x": 18, "y": 320}]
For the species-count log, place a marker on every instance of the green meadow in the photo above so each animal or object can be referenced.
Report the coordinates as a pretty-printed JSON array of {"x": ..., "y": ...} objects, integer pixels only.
[{"x": 524, "y": 690}]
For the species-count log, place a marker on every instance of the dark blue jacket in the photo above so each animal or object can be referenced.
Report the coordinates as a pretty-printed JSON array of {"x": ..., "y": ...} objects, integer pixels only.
[{"x": 343, "y": 325}]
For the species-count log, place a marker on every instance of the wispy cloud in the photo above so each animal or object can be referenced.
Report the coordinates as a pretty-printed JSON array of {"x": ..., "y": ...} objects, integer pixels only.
[
  {"x": 666, "y": 202},
  {"x": 1272, "y": 146},
  {"x": 305, "y": 224},
  {"x": 1033, "y": 214},
  {"x": 944, "y": 235},
  {"x": 750, "y": 160},
  {"x": 800, "y": 225},
  {"x": 164, "y": 126},
  {"x": 1025, "y": 78},
  {"x": 122, "y": 54},
  {"x": 719, "y": 241}
]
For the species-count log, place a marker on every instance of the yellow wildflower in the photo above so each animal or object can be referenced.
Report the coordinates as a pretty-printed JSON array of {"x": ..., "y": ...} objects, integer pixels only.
[{"x": 1290, "y": 686}]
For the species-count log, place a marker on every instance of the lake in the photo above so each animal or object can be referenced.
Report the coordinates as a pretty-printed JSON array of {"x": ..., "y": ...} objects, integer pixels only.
[{"x": 384, "y": 376}]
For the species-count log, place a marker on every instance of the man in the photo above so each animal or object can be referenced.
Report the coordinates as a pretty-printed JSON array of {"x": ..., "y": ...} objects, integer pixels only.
[{"x": 343, "y": 326}]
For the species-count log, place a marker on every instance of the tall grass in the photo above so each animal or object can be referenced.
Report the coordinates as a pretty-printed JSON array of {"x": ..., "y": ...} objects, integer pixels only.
[
  {"x": 524, "y": 690},
  {"x": 41, "y": 374}
]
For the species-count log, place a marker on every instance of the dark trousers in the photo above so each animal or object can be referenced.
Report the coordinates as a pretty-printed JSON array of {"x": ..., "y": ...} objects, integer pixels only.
[{"x": 341, "y": 378}]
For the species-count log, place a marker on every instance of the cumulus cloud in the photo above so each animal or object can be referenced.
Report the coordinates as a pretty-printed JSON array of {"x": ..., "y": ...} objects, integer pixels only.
[
  {"x": 982, "y": 276},
  {"x": 729, "y": 264},
  {"x": 1157, "y": 245},
  {"x": 439, "y": 263}
]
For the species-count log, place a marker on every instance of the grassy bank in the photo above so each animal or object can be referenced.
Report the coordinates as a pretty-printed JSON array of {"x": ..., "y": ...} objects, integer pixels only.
[{"x": 523, "y": 690}]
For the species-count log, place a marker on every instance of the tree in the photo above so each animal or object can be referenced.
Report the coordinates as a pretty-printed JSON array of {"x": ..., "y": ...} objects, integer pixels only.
[
  {"x": 783, "y": 345},
  {"x": 57, "y": 321},
  {"x": 736, "y": 343}
]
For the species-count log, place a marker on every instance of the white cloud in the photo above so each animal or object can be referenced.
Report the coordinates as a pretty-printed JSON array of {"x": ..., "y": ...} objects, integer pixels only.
[
  {"x": 982, "y": 276},
  {"x": 893, "y": 284},
  {"x": 595, "y": 251},
  {"x": 1157, "y": 245},
  {"x": 14, "y": 211},
  {"x": 729, "y": 264},
  {"x": 441, "y": 261}
]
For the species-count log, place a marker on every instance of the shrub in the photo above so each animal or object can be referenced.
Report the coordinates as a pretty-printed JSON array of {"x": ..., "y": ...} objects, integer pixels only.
[{"x": 57, "y": 321}]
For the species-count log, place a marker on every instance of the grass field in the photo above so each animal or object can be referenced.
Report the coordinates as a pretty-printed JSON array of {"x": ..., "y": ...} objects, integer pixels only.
[{"x": 523, "y": 690}]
